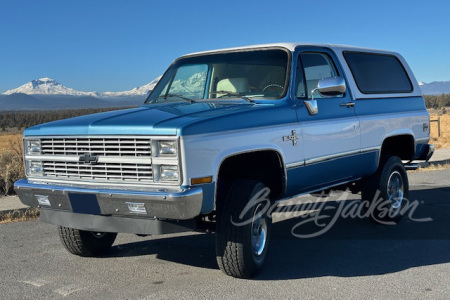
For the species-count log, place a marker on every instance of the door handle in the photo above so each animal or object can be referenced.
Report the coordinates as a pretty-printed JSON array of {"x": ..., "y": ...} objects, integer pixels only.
[{"x": 349, "y": 104}]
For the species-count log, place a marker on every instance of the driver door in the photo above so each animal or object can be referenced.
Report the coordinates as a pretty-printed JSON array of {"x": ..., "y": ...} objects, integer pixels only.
[{"x": 331, "y": 138}]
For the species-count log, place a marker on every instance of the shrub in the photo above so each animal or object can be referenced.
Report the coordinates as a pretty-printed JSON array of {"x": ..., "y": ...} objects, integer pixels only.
[{"x": 11, "y": 167}]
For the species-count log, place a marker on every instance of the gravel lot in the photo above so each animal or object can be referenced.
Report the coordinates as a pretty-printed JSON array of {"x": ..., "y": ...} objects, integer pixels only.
[{"x": 355, "y": 259}]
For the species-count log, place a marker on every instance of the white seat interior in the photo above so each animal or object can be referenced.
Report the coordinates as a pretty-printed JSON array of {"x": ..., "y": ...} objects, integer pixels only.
[{"x": 235, "y": 85}]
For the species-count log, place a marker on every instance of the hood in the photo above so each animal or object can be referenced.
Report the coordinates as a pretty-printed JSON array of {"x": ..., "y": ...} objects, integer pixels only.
[{"x": 154, "y": 119}]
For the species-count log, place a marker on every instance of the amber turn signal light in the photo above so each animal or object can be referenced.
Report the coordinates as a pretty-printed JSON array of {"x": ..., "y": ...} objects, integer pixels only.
[{"x": 201, "y": 180}]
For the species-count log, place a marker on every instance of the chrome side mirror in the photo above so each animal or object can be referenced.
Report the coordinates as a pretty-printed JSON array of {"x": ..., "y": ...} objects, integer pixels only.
[{"x": 332, "y": 86}]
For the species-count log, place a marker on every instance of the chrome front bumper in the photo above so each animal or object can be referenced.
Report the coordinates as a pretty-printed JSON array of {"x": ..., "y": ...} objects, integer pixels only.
[{"x": 179, "y": 205}]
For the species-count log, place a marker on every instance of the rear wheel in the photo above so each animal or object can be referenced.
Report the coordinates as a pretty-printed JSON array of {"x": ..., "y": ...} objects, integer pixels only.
[
  {"x": 242, "y": 238},
  {"x": 387, "y": 191},
  {"x": 86, "y": 243}
]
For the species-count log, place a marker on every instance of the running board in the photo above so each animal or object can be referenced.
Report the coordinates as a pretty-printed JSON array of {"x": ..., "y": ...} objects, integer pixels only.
[{"x": 411, "y": 167}]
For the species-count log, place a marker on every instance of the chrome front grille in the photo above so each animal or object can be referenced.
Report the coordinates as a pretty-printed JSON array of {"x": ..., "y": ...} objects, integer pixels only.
[
  {"x": 117, "y": 159},
  {"x": 97, "y": 146},
  {"x": 119, "y": 172}
]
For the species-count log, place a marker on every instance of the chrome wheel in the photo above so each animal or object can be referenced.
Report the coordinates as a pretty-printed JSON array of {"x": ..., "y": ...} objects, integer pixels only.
[
  {"x": 395, "y": 189},
  {"x": 258, "y": 231}
]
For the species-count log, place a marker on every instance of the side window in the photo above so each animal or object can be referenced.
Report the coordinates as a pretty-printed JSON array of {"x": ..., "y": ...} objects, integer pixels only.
[
  {"x": 314, "y": 66},
  {"x": 378, "y": 73}
]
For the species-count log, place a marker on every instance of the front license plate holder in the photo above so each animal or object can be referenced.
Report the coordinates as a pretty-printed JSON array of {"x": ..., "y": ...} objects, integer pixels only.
[{"x": 84, "y": 203}]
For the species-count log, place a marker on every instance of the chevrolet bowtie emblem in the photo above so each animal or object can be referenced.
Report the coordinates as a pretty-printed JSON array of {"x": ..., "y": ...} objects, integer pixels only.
[
  {"x": 88, "y": 159},
  {"x": 293, "y": 138}
]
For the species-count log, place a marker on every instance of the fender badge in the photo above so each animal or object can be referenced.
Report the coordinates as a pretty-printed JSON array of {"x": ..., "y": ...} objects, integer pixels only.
[{"x": 293, "y": 138}]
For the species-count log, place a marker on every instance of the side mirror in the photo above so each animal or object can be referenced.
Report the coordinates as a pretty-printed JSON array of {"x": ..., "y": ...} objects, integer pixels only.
[{"x": 332, "y": 86}]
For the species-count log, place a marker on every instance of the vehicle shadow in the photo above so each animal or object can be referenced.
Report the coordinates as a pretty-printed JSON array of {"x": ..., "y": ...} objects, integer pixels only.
[
  {"x": 351, "y": 247},
  {"x": 197, "y": 250}
]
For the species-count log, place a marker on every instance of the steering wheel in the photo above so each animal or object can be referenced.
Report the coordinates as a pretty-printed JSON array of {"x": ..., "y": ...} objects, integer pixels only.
[{"x": 272, "y": 85}]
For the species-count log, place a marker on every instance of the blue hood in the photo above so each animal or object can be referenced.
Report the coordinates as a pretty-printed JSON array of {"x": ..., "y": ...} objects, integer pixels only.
[{"x": 155, "y": 119}]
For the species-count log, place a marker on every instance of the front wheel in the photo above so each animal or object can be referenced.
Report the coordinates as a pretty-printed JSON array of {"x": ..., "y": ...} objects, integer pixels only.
[
  {"x": 86, "y": 243},
  {"x": 243, "y": 229},
  {"x": 387, "y": 191}
]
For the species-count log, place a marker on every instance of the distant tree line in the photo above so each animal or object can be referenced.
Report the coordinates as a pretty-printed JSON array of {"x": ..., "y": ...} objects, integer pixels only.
[
  {"x": 437, "y": 102},
  {"x": 24, "y": 119}
]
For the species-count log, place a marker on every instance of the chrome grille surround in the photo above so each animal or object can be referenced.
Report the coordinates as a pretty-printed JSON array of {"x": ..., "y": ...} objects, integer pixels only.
[{"x": 119, "y": 160}]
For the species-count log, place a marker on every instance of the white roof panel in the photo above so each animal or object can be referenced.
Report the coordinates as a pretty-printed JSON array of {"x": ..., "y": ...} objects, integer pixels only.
[{"x": 291, "y": 47}]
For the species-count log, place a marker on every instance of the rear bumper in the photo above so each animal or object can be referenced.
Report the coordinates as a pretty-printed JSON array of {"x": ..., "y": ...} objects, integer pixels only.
[
  {"x": 427, "y": 152},
  {"x": 177, "y": 205}
]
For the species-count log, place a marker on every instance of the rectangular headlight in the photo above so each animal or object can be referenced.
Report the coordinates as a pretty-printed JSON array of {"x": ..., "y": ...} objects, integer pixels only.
[
  {"x": 168, "y": 147},
  {"x": 169, "y": 173},
  {"x": 34, "y": 167},
  {"x": 33, "y": 146}
]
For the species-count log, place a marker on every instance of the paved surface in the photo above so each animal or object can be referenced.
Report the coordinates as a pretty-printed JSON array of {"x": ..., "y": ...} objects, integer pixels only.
[
  {"x": 355, "y": 259},
  {"x": 10, "y": 203}
]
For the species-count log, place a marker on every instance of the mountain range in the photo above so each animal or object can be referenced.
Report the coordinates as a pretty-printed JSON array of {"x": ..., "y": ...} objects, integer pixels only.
[
  {"x": 435, "y": 87},
  {"x": 48, "y": 86},
  {"x": 46, "y": 93}
]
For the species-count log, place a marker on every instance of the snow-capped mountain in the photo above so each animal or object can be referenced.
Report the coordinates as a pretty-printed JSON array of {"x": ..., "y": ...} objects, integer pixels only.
[
  {"x": 435, "y": 87},
  {"x": 137, "y": 91},
  {"x": 47, "y": 86}
]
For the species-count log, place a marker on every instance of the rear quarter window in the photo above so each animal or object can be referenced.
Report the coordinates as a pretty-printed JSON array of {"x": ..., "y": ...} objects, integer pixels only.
[{"x": 378, "y": 73}]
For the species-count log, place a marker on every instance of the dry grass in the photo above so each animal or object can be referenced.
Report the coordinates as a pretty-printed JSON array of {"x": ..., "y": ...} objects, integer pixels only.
[
  {"x": 11, "y": 162},
  {"x": 20, "y": 215},
  {"x": 10, "y": 141},
  {"x": 444, "y": 140}
]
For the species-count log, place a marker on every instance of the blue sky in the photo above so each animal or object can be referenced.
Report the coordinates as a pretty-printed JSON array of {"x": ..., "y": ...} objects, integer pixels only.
[{"x": 117, "y": 45}]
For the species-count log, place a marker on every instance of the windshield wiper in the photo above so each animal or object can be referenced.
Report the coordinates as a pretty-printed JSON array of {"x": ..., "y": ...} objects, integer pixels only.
[
  {"x": 178, "y": 96},
  {"x": 229, "y": 93}
]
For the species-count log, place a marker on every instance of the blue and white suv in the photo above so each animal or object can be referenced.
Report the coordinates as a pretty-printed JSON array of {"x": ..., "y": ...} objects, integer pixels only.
[{"x": 220, "y": 127}]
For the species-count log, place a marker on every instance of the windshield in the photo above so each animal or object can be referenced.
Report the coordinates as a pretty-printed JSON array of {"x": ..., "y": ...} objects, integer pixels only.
[{"x": 258, "y": 74}]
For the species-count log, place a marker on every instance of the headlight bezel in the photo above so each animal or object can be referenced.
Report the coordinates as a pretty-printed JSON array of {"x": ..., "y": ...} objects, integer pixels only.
[
  {"x": 32, "y": 149},
  {"x": 34, "y": 168},
  {"x": 167, "y": 148},
  {"x": 169, "y": 173},
  {"x": 165, "y": 160},
  {"x": 33, "y": 146}
]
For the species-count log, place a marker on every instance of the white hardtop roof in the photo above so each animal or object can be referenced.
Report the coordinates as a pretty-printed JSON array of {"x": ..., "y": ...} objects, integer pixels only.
[
  {"x": 291, "y": 47},
  {"x": 339, "y": 51}
]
